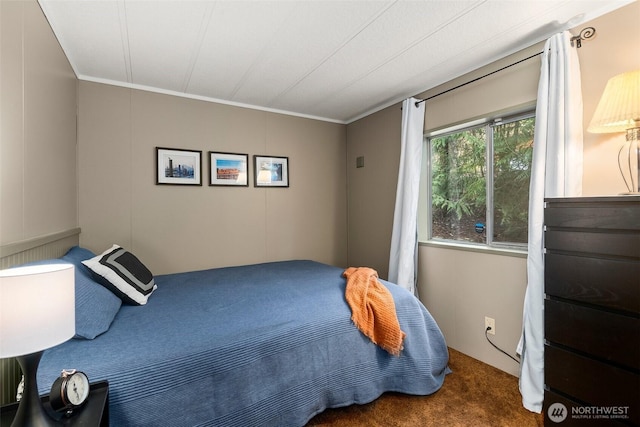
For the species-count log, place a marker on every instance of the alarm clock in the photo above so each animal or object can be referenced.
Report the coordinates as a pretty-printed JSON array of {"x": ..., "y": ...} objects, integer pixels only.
[{"x": 69, "y": 391}]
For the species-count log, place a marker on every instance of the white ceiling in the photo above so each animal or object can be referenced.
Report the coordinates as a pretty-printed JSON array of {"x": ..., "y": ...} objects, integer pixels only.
[{"x": 333, "y": 60}]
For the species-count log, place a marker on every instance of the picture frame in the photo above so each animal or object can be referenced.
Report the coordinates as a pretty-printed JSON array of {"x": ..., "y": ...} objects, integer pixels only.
[
  {"x": 176, "y": 166},
  {"x": 270, "y": 171},
  {"x": 228, "y": 169}
]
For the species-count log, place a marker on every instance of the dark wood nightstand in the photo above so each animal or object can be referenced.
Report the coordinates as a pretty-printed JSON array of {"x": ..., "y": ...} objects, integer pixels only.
[{"x": 93, "y": 414}]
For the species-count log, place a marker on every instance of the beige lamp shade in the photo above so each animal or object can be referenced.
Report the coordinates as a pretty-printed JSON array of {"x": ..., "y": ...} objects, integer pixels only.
[
  {"x": 619, "y": 107},
  {"x": 37, "y": 308}
]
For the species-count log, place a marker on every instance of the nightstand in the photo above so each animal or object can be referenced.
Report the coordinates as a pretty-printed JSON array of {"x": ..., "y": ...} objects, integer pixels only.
[{"x": 93, "y": 414}]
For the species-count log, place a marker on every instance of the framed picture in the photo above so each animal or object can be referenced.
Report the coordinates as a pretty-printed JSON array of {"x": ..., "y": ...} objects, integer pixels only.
[
  {"x": 228, "y": 169},
  {"x": 271, "y": 171},
  {"x": 178, "y": 167}
]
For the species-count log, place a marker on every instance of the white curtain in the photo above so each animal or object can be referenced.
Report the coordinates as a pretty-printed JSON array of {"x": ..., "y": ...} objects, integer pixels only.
[
  {"x": 556, "y": 172},
  {"x": 404, "y": 238}
]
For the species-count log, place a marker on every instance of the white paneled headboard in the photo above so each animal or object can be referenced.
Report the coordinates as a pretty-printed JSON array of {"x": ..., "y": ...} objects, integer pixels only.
[{"x": 50, "y": 246}]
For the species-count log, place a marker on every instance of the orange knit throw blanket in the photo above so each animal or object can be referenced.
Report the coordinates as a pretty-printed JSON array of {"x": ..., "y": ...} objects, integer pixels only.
[{"x": 372, "y": 309}]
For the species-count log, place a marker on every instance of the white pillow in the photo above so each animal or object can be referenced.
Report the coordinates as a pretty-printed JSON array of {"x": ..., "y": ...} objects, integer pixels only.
[{"x": 123, "y": 274}]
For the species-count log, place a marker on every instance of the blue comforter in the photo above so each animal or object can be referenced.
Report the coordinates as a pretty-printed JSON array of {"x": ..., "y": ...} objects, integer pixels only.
[{"x": 259, "y": 345}]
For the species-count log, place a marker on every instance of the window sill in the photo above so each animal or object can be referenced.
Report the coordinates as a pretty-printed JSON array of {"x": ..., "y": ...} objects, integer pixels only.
[{"x": 518, "y": 253}]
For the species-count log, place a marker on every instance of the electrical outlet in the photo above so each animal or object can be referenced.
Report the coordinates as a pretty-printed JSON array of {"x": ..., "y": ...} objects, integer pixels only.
[{"x": 490, "y": 323}]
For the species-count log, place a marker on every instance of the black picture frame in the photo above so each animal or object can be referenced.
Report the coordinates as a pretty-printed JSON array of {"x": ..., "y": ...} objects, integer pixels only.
[
  {"x": 177, "y": 166},
  {"x": 270, "y": 171},
  {"x": 228, "y": 169}
]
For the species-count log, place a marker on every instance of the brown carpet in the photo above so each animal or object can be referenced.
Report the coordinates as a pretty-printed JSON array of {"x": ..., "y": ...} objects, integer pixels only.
[{"x": 475, "y": 394}]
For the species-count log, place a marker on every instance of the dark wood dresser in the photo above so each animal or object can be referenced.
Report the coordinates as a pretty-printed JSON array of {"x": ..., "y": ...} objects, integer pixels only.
[{"x": 592, "y": 311}]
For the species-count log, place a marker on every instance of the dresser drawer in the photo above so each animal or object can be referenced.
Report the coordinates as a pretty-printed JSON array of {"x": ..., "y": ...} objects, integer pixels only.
[
  {"x": 610, "y": 283},
  {"x": 605, "y": 335},
  {"x": 612, "y": 244},
  {"x": 591, "y": 381},
  {"x": 611, "y": 213}
]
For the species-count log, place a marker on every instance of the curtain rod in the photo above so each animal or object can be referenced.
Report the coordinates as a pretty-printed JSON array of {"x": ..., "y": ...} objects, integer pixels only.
[{"x": 585, "y": 34}]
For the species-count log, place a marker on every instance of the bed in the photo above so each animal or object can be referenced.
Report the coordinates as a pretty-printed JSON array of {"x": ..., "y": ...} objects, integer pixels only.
[{"x": 258, "y": 345}]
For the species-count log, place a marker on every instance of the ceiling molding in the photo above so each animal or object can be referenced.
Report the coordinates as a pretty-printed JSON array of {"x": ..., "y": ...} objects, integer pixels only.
[{"x": 206, "y": 99}]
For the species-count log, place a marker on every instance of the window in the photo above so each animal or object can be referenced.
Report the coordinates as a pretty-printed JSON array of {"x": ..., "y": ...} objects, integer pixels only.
[{"x": 479, "y": 182}]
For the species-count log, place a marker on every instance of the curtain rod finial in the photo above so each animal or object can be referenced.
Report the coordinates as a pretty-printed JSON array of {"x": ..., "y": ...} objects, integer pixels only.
[{"x": 585, "y": 34}]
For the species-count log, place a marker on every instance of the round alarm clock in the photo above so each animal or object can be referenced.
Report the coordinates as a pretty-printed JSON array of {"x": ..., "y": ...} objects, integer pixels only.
[{"x": 69, "y": 391}]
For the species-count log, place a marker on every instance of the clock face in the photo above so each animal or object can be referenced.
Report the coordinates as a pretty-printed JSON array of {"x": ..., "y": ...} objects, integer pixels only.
[{"x": 77, "y": 388}]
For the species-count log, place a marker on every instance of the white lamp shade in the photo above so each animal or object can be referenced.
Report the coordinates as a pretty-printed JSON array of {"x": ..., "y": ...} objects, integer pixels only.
[
  {"x": 37, "y": 308},
  {"x": 619, "y": 107}
]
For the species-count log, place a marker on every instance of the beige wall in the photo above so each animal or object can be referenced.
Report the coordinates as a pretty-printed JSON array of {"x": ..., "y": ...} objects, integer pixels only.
[
  {"x": 372, "y": 188},
  {"x": 180, "y": 228},
  {"x": 460, "y": 287},
  {"x": 37, "y": 127}
]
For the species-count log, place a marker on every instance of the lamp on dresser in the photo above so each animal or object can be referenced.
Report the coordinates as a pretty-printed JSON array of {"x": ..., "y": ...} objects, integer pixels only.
[
  {"x": 37, "y": 312},
  {"x": 619, "y": 111}
]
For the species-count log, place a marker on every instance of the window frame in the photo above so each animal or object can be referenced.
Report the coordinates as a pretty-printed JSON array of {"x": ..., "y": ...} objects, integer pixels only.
[{"x": 425, "y": 235}]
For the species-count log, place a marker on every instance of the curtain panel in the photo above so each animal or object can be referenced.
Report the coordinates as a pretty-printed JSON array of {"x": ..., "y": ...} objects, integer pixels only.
[
  {"x": 404, "y": 238},
  {"x": 556, "y": 172}
]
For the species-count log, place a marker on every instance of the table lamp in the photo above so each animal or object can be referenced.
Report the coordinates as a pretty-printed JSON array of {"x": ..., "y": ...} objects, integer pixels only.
[
  {"x": 619, "y": 111},
  {"x": 37, "y": 312}
]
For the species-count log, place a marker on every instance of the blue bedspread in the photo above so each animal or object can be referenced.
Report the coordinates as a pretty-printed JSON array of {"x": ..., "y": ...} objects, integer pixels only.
[{"x": 259, "y": 345}]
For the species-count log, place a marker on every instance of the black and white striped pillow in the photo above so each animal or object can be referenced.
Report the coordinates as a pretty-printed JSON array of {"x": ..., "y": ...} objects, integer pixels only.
[{"x": 124, "y": 274}]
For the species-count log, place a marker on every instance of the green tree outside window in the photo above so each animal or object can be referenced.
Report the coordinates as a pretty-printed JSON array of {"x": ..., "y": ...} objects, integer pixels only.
[{"x": 471, "y": 195}]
